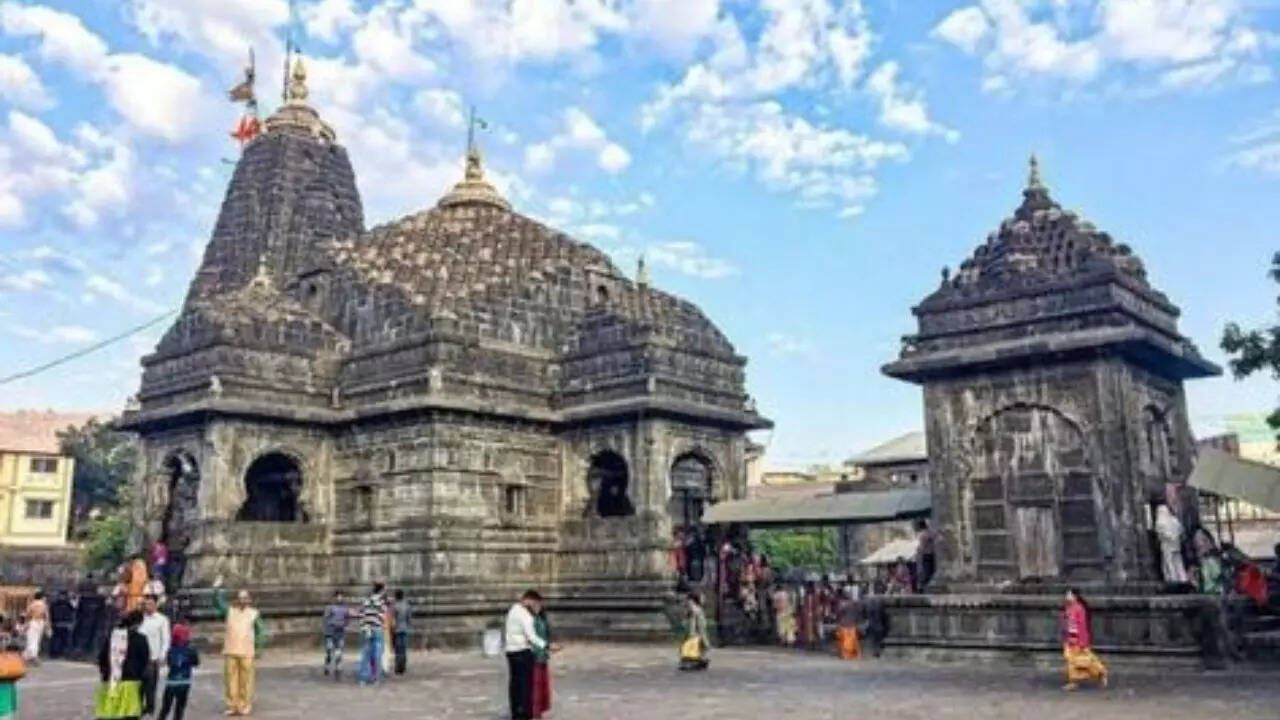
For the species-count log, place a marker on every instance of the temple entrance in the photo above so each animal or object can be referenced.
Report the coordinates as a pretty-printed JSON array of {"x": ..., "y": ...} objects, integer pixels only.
[
  {"x": 274, "y": 486},
  {"x": 690, "y": 490},
  {"x": 608, "y": 477},
  {"x": 1037, "y": 542}
]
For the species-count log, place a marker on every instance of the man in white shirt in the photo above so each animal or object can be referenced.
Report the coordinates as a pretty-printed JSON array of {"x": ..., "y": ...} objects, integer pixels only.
[
  {"x": 520, "y": 638},
  {"x": 155, "y": 628}
]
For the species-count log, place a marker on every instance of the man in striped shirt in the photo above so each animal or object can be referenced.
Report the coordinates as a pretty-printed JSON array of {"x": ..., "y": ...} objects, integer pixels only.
[{"x": 371, "y": 619}]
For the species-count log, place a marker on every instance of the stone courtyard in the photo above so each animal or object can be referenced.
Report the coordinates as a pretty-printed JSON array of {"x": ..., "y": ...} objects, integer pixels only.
[{"x": 639, "y": 682}]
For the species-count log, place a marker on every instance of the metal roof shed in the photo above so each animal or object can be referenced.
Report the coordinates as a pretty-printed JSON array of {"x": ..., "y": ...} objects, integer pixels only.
[{"x": 828, "y": 509}]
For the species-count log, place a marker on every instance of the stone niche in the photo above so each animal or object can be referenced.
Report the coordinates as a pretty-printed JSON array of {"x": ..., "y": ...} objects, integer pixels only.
[{"x": 1055, "y": 416}]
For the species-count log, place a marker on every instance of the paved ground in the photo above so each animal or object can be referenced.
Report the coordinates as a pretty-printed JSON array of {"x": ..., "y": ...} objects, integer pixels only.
[{"x": 640, "y": 683}]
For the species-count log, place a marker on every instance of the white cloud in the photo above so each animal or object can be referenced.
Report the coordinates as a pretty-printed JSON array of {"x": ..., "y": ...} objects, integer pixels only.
[
  {"x": 614, "y": 158},
  {"x": 157, "y": 98},
  {"x": 26, "y": 281},
  {"x": 821, "y": 165},
  {"x": 965, "y": 28},
  {"x": 103, "y": 286},
  {"x": 72, "y": 334},
  {"x": 327, "y": 19},
  {"x": 801, "y": 44},
  {"x": 221, "y": 30},
  {"x": 900, "y": 107},
  {"x": 787, "y": 345},
  {"x": 385, "y": 41},
  {"x": 1259, "y": 148},
  {"x": 441, "y": 105},
  {"x": 675, "y": 26},
  {"x": 63, "y": 38},
  {"x": 20, "y": 85},
  {"x": 36, "y": 141},
  {"x": 581, "y": 133},
  {"x": 597, "y": 231},
  {"x": 513, "y": 31},
  {"x": 1176, "y": 43},
  {"x": 689, "y": 258}
]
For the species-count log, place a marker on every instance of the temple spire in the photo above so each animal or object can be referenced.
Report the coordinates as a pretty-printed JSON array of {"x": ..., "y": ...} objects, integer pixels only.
[
  {"x": 474, "y": 188},
  {"x": 1035, "y": 196}
]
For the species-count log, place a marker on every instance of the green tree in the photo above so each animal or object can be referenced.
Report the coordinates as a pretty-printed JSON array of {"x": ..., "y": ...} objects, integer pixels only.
[
  {"x": 105, "y": 461},
  {"x": 1256, "y": 350},
  {"x": 106, "y": 535},
  {"x": 799, "y": 549}
]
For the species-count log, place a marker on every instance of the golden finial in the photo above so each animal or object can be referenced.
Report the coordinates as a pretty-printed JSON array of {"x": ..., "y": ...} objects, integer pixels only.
[
  {"x": 474, "y": 189},
  {"x": 298, "y": 81},
  {"x": 1033, "y": 175}
]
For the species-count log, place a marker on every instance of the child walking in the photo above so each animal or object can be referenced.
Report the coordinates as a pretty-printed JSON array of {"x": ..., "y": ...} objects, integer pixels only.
[
  {"x": 182, "y": 660},
  {"x": 336, "y": 617}
]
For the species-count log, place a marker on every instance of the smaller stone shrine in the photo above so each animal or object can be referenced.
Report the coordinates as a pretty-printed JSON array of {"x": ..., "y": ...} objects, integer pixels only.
[{"x": 1056, "y": 419}]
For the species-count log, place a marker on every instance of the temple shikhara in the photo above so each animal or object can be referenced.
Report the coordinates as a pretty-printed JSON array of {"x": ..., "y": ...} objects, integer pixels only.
[
  {"x": 1056, "y": 426},
  {"x": 463, "y": 403}
]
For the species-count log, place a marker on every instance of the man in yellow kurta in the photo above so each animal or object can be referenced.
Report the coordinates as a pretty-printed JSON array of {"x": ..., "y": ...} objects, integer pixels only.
[{"x": 244, "y": 637}]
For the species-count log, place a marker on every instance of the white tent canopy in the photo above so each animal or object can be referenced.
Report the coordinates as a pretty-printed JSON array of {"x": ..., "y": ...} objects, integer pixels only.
[
  {"x": 1223, "y": 474},
  {"x": 891, "y": 551}
]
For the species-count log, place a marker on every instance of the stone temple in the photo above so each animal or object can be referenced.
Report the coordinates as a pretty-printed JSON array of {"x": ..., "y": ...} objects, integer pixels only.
[
  {"x": 462, "y": 403},
  {"x": 1055, "y": 419}
]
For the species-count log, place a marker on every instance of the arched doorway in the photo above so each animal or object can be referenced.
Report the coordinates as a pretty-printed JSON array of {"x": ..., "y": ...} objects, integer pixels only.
[
  {"x": 273, "y": 484},
  {"x": 608, "y": 478},
  {"x": 690, "y": 489},
  {"x": 181, "y": 513}
]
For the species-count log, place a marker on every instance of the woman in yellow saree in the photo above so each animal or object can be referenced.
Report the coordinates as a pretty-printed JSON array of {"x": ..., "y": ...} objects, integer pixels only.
[{"x": 1077, "y": 644}]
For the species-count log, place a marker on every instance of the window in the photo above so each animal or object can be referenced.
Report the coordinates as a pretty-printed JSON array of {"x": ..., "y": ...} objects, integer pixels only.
[
  {"x": 44, "y": 464},
  {"x": 39, "y": 509},
  {"x": 514, "y": 500}
]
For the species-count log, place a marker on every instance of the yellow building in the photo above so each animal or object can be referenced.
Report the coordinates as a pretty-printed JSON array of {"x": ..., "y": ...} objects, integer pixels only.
[{"x": 35, "y": 480}]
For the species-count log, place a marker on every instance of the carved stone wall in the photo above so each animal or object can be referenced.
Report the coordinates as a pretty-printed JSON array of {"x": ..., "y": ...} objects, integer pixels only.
[{"x": 436, "y": 388}]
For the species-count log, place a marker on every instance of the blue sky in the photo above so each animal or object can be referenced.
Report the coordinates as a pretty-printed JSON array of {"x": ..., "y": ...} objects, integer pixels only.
[{"x": 802, "y": 169}]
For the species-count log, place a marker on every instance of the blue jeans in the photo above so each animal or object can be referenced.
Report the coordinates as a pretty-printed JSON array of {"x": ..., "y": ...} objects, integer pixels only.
[
  {"x": 371, "y": 656},
  {"x": 334, "y": 643}
]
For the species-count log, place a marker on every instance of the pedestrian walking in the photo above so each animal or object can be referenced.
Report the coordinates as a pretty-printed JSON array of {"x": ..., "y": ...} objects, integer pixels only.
[
  {"x": 62, "y": 616},
  {"x": 784, "y": 617},
  {"x": 181, "y": 660},
  {"x": 336, "y": 617},
  {"x": 372, "y": 625},
  {"x": 122, "y": 662},
  {"x": 1077, "y": 643},
  {"x": 37, "y": 626},
  {"x": 402, "y": 619},
  {"x": 696, "y": 645},
  {"x": 156, "y": 629},
  {"x": 244, "y": 637},
  {"x": 520, "y": 639}
]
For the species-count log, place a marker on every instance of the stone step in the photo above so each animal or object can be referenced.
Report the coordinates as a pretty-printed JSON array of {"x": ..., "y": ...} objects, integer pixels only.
[
  {"x": 1262, "y": 623},
  {"x": 1263, "y": 646}
]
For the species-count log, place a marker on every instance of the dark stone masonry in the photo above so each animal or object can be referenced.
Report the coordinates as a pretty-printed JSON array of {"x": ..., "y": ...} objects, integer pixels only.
[
  {"x": 462, "y": 403},
  {"x": 1055, "y": 417}
]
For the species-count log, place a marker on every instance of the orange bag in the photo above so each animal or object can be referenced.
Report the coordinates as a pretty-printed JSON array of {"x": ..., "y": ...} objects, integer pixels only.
[{"x": 12, "y": 667}]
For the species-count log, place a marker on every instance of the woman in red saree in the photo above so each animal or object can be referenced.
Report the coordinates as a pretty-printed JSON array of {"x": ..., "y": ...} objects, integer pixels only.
[
  {"x": 541, "y": 669},
  {"x": 1077, "y": 644}
]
